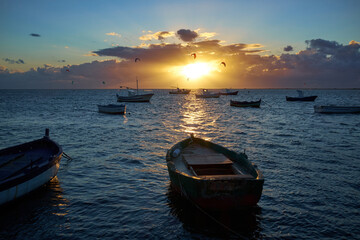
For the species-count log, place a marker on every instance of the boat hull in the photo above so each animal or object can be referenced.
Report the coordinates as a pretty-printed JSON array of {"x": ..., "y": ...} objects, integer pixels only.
[
  {"x": 229, "y": 93},
  {"x": 185, "y": 91},
  {"x": 112, "y": 109},
  {"x": 337, "y": 109},
  {"x": 26, "y": 167},
  {"x": 135, "y": 98},
  {"x": 255, "y": 104},
  {"x": 218, "y": 192},
  {"x": 301, "y": 99},
  {"x": 223, "y": 194}
]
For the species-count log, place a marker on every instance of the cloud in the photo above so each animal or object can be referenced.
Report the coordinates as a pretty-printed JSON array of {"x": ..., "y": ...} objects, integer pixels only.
[
  {"x": 113, "y": 34},
  {"x": 34, "y": 35},
  {"x": 322, "y": 64},
  {"x": 187, "y": 35},
  {"x": 288, "y": 48},
  {"x": 11, "y": 61},
  {"x": 157, "y": 36}
]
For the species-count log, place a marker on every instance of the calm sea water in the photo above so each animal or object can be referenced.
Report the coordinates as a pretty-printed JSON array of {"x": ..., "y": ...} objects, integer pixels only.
[{"x": 117, "y": 185}]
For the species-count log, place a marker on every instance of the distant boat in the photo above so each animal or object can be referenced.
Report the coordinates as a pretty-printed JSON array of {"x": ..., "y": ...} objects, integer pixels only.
[
  {"x": 301, "y": 97},
  {"x": 134, "y": 96},
  {"x": 26, "y": 167},
  {"x": 180, "y": 91},
  {"x": 336, "y": 109},
  {"x": 254, "y": 104},
  {"x": 229, "y": 92},
  {"x": 207, "y": 94},
  {"x": 213, "y": 176},
  {"x": 112, "y": 108}
]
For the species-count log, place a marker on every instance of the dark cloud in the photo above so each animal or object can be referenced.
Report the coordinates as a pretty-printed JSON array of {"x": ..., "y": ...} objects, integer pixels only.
[
  {"x": 34, "y": 35},
  {"x": 187, "y": 35},
  {"x": 11, "y": 61},
  {"x": 162, "y": 35},
  {"x": 288, "y": 48}
]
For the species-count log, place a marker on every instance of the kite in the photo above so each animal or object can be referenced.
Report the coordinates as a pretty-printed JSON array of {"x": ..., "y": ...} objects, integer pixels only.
[
  {"x": 223, "y": 64},
  {"x": 137, "y": 59},
  {"x": 103, "y": 82},
  {"x": 193, "y": 54}
]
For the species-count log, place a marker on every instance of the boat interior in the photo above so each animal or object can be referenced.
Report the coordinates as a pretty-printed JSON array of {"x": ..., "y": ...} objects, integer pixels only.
[
  {"x": 15, "y": 163},
  {"x": 202, "y": 162}
]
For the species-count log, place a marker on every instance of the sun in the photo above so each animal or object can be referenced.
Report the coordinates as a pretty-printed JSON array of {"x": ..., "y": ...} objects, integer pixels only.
[{"x": 196, "y": 70}]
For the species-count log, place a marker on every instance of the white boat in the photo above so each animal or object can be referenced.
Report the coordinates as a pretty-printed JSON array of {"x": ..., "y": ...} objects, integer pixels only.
[
  {"x": 112, "y": 108},
  {"x": 26, "y": 167},
  {"x": 133, "y": 96},
  {"x": 336, "y": 109},
  {"x": 207, "y": 94}
]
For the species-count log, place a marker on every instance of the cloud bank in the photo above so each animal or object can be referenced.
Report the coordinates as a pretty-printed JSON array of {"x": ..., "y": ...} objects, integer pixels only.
[{"x": 321, "y": 64}]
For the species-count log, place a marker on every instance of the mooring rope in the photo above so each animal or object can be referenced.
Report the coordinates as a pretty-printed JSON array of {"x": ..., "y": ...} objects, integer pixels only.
[{"x": 67, "y": 156}]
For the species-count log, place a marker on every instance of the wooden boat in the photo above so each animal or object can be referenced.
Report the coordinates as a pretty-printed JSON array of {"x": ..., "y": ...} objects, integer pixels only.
[
  {"x": 212, "y": 176},
  {"x": 133, "y": 96},
  {"x": 336, "y": 109},
  {"x": 207, "y": 94},
  {"x": 229, "y": 92},
  {"x": 180, "y": 91},
  {"x": 112, "y": 108},
  {"x": 26, "y": 167},
  {"x": 254, "y": 104},
  {"x": 301, "y": 97}
]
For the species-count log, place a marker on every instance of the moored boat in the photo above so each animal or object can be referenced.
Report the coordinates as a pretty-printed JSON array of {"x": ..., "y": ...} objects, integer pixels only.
[
  {"x": 254, "y": 104},
  {"x": 112, "y": 108},
  {"x": 301, "y": 98},
  {"x": 28, "y": 166},
  {"x": 229, "y": 92},
  {"x": 207, "y": 94},
  {"x": 213, "y": 176},
  {"x": 336, "y": 109},
  {"x": 134, "y": 97},
  {"x": 180, "y": 91}
]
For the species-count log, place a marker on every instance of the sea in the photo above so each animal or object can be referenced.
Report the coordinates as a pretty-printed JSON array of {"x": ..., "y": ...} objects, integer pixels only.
[{"x": 115, "y": 185}]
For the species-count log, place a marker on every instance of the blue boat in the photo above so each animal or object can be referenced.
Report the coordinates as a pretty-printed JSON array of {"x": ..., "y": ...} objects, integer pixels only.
[{"x": 28, "y": 166}]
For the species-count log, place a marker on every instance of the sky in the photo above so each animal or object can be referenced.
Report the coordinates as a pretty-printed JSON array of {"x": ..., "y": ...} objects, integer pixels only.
[{"x": 188, "y": 44}]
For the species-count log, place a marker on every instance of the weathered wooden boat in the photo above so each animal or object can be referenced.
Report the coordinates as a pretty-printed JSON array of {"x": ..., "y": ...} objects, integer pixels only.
[
  {"x": 26, "y": 167},
  {"x": 112, "y": 108},
  {"x": 254, "y": 104},
  {"x": 180, "y": 91},
  {"x": 301, "y": 97},
  {"x": 212, "y": 176},
  {"x": 336, "y": 109},
  {"x": 207, "y": 94},
  {"x": 229, "y": 92}
]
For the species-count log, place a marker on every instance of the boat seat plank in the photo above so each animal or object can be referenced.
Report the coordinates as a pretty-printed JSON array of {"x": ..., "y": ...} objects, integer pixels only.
[
  {"x": 240, "y": 176},
  {"x": 199, "y": 159}
]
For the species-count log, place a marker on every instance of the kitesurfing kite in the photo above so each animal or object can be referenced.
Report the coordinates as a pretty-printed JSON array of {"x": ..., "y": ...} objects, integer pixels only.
[
  {"x": 193, "y": 54},
  {"x": 223, "y": 64},
  {"x": 137, "y": 59}
]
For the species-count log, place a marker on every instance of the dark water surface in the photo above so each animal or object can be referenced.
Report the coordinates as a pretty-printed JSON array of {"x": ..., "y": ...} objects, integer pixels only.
[{"x": 117, "y": 186}]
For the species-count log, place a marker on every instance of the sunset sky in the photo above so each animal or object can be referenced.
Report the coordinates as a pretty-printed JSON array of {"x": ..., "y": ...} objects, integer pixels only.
[{"x": 262, "y": 44}]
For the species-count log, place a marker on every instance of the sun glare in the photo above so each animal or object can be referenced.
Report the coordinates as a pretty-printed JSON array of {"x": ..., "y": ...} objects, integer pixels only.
[{"x": 196, "y": 70}]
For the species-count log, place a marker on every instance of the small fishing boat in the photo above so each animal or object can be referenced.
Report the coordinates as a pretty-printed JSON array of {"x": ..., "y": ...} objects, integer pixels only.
[
  {"x": 133, "y": 96},
  {"x": 336, "y": 109},
  {"x": 180, "y": 91},
  {"x": 229, "y": 92},
  {"x": 26, "y": 167},
  {"x": 207, "y": 94},
  {"x": 112, "y": 108},
  {"x": 301, "y": 97},
  {"x": 254, "y": 104},
  {"x": 213, "y": 176}
]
